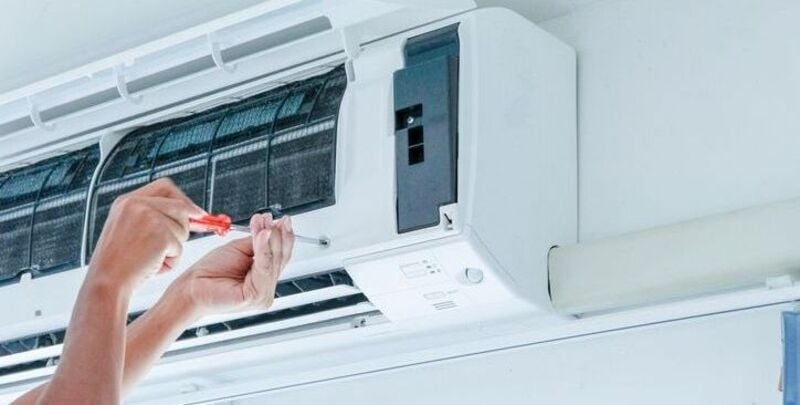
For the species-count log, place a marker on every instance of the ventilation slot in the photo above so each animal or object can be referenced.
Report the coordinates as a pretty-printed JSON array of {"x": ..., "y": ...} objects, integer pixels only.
[
  {"x": 444, "y": 305},
  {"x": 276, "y": 316},
  {"x": 273, "y": 149},
  {"x": 174, "y": 72},
  {"x": 302, "y": 301},
  {"x": 41, "y": 214}
]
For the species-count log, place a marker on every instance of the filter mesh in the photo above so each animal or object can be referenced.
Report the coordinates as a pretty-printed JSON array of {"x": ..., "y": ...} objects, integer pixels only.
[
  {"x": 60, "y": 212},
  {"x": 301, "y": 170},
  {"x": 297, "y": 107},
  {"x": 145, "y": 153},
  {"x": 49, "y": 248},
  {"x": 240, "y": 184},
  {"x": 327, "y": 105},
  {"x": 190, "y": 177},
  {"x": 258, "y": 115},
  {"x": 42, "y": 208},
  {"x": 17, "y": 199},
  {"x": 122, "y": 157},
  {"x": 277, "y": 147},
  {"x": 187, "y": 141},
  {"x": 14, "y": 246}
]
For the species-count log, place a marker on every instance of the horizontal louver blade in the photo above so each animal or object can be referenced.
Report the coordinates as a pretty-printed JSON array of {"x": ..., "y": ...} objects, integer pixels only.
[
  {"x": 298, "y": 292},
  {"x": 303, "y": 296}
]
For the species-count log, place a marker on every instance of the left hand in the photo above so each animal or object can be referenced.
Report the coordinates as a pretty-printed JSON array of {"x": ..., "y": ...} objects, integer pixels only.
[{"x": 241, "y": 274}]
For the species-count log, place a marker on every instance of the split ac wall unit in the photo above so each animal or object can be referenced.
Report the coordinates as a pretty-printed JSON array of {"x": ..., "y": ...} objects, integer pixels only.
[{"x": 435, "y": 147}]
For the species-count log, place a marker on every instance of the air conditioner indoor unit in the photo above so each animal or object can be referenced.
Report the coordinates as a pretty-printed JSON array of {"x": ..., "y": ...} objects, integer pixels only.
[{"x": 433, "y": 144}]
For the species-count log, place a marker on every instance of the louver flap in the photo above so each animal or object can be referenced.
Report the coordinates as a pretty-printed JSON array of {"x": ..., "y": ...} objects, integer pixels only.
[{"x": 43, "y": 349}]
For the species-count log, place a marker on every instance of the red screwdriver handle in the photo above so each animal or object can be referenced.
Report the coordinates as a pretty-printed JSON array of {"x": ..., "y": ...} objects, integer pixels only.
[{"x": 219, "y": 224}]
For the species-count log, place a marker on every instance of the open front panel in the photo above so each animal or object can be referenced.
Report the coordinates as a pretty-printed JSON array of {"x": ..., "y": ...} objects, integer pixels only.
[
  {"x": 275, "y": 149},
  {"x": 42, "y": 207}
]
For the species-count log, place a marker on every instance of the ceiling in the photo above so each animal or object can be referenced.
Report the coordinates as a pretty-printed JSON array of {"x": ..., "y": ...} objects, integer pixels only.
[{"x": 40, "y": 38}]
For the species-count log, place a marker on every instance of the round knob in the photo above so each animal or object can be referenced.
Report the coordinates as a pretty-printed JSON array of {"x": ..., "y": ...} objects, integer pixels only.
[{"x": 473, "y": 275}]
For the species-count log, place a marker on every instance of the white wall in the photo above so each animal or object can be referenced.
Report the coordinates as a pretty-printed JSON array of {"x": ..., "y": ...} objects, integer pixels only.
[
  {"x": 687, "y": 108},
  {"x": 729, "y": 359}
]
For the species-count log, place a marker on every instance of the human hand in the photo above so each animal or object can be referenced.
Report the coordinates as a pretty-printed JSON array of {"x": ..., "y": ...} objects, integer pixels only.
[
  {"x": 241, "y": 274},
  {"x": 143, "y": 234}
]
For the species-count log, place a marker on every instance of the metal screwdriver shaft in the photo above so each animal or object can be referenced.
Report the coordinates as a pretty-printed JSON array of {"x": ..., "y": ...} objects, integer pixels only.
[
  {"x": 301, "y": 238},
  {"x": 221, "y": 224}
]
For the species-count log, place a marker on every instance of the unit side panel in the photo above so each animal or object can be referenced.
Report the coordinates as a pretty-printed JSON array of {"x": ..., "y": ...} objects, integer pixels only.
[{"x": 519, "y": 144}]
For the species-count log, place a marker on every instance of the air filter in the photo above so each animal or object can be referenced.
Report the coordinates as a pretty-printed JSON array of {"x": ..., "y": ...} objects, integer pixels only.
[
  {"x": 42, "y": 209},
  {"x": 272, "y": 149}
]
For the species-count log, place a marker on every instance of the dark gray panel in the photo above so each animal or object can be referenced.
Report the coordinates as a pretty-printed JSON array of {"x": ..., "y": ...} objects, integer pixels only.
[{"x": 426, "y": 129}]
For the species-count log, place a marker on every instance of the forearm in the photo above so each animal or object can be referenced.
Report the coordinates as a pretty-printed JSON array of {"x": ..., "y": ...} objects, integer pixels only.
[
  {"x": 146, "y": 339},
  {"x": 90, "y": 367},
  {"x": 152, "y": 333}
]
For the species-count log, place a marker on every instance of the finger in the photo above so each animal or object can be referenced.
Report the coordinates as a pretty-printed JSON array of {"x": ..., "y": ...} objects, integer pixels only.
[
  {"x": 267, "y": 220},
  {"x": 261, "y": 237},
  {"x": 288, "y": 242},
  {"x": 243, "y": 245},
  {"x": 172, "y": 254},
  {"x": 256, "y": 224},
  {"x": 169, "y": 264},
  {"x": 176, "y": 208},
  {"x": 179, "y": 231},
  {"x": 261, "y": 275},
  {"x": 172, "y": 213},
  {"x": 262, "y": 255},
  {"x": 276, "y": 245},
  {"x": 165, "y": 187}
]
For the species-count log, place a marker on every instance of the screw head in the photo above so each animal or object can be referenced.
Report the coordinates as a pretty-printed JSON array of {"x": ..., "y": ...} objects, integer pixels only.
[{"x": 473, "y": 275}]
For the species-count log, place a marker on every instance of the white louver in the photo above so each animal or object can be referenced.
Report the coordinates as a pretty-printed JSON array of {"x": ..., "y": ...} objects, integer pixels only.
[{"x": 303, "y": 307}]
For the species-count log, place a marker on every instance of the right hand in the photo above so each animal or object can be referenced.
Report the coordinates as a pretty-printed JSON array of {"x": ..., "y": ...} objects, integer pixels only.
[
  {"x": 143, "y": 234},
  {"x": 241, "y": 274}
]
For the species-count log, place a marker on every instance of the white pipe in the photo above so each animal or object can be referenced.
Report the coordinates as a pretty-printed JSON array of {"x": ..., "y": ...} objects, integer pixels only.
[{"x": 723, "y": 252}]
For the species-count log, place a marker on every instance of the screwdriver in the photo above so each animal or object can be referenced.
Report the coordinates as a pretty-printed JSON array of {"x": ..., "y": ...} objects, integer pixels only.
[{"x": 221, "y": 224}]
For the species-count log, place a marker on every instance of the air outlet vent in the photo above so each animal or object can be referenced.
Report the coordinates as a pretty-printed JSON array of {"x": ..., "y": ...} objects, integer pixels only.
[
  {"x": 42, "y": 210},
  {"x": 275, "y": 148},
  {"x": 335, "y": 287},
  {"x": 444, "y": 305}
]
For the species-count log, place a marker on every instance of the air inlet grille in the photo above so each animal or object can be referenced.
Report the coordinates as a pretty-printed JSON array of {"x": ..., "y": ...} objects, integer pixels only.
[
  {"x": 274, "y": 149},
  {"x": 42, "y": 209}
]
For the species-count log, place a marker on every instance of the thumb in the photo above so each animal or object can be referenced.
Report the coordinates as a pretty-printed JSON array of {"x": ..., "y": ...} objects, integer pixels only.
[{"x": 243, "y": 245}]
